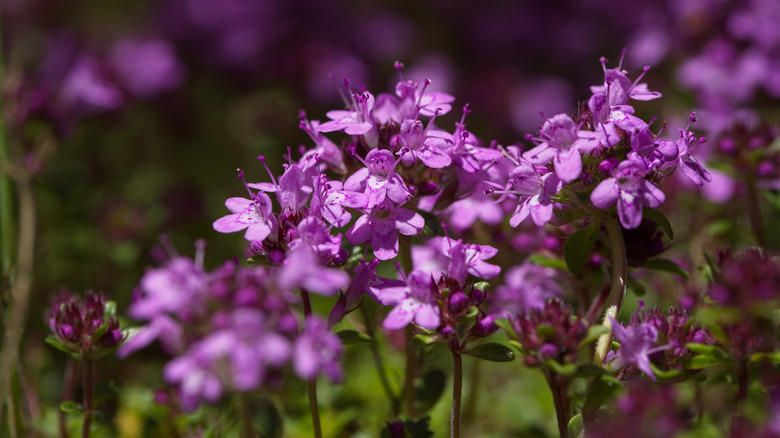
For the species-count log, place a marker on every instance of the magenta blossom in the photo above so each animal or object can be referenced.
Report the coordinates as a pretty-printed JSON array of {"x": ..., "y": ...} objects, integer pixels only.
[
  {"x": 381, "y": 226},
  {"x": 252, "y": 214},
  {"x": 629, "y": 188},
  {"x": 413, "y": 300},
  {"x": 378, "y": 179}
]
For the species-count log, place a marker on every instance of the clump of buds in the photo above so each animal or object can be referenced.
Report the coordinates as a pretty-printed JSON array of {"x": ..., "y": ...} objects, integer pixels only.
[
  {"x": 87, "y": 329},
  {"x": 552, "y": 332}
]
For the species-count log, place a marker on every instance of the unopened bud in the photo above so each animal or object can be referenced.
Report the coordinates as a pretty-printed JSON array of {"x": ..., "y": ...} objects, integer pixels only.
[{"x": 458, "y": 302}]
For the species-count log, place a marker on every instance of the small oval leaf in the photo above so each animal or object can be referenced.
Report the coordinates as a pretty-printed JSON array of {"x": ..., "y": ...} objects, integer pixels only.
[
  {"x": 578, "y": 246},
  {"x": 349, "y": 337},
  {"x": 659, "y": 218},
  {"x": 491, "y": 351},
  {"x": 666, "y": 265}
]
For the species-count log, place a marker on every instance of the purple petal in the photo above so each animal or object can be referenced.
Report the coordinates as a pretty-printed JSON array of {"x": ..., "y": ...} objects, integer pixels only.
[
  {"x": 427, "y": 316},
  {"x": 385, "y": 246},
  {"x": 605, "y": 194}
]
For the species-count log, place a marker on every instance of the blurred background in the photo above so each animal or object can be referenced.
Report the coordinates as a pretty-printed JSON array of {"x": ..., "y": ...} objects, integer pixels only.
[{"x": 149, "y": 108}]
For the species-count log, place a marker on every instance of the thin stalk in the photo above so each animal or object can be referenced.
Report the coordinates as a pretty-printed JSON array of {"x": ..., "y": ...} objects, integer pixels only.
[
  {"x": 312, "y": 383},
  {"x": 617, "y": 289},
  {"x": 247, "y": 431},
  {"x": 89, "y": 389},
  {"x": 6, "y": 190},
  {"x": 68, "y": 386},
  {"x": 457, "y": 388},
  {"x": 380, "y": 366},
  {"x": 16, "y": 313},
  {"x": 558, "y": 388},
  {"x": 754, "y": 210},
  {"x": 405, "y": 254}
]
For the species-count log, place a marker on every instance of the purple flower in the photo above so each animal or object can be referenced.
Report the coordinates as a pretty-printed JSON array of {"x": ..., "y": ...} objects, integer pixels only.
[
  {"x": 469, "y": 258},
  {"x": 558, "y": 135},
  {"x": 637, "y": 343},
  {"x": 629, "y": 188},
  {"x": 534, "y": 193},
  {"x": 302, "y": 269},
  {"x": 527, "y": 286},
  {"x": 381, "y": 225},
  {"x": 147, "y": 67},
  {"x": 315, "y": 234},
  {"x": 378, "y": 179},
  {"x": 317, "y": 350},
  {"x": 413, "y": 300},
  {"x": 253, "y": 214},
  {"x": 179, "y": 288},
  {"x": 620, "y": 88},
  {"x": 424, "y": 144},
  {"x": 356, "y": 122}
]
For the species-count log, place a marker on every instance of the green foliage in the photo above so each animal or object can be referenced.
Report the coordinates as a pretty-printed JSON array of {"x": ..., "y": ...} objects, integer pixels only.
[{"x": 578, "y": 246}]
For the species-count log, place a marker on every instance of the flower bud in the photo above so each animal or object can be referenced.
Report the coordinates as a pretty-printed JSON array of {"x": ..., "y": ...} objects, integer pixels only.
[
  {"x": 486, "y": 326},
  {"x": 458, "y": 302}
]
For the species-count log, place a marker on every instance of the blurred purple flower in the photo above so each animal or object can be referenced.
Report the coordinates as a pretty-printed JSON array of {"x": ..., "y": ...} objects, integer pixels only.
[{"x": 147, "y": 67}]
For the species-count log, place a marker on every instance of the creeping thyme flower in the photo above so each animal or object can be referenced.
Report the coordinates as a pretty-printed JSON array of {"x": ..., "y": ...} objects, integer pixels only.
[
  {"x": 413, "y": 299},
  {"x": 378, "y": 179},
  {"x": 558, "y": 144},
  {"x": 527, "y": 286},
  {"x": 637, "y": 343},
  {"x": 381, "y": 226},
  {"x": 317, "y": 350},
  {"x": 629, "y": 188},
  {"x": 253, "y": 214},
  {"x": 87, "y": 329},
  {"x": 749, "y": 279}
]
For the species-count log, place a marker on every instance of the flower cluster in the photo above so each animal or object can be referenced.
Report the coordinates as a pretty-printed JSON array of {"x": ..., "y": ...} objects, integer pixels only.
[
  {"x": 86, "y": 329},
  {"x": 230, "y": 329},
  {"x": 604, "y": 150}
]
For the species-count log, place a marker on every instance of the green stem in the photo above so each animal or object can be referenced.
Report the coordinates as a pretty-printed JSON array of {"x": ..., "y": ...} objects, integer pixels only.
[
  {"x": 558, "y": 386},
  {"x": 16, "y": 313},
  {"x": 89, "y": 383},
  {"x": 6, "y": 189},
  {"x": 617, "y": 289},
  {"x": 69, "y": 385},
  {"x": 754, "y": 210},
  {"x": 380, "y": 366},
  {"x": 246, "y": 416},
  {"x": 312, "y": 383},
  {"x": 405, "y": 254},
  {"x": 457, "y": 387}
]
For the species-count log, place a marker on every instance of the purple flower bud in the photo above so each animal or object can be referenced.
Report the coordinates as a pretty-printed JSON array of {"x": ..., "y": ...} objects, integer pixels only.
[
  {"x": 340, "y": 259},
  {"x": 477, "y": 296},
  {"x": 447, "y": 331},
  {"x": 458, "y": 302},
  {"x": 111, "y": 338},
  {"x": 548, "y": 351},
  {"x": 428, "y": 188},
  {"x": 486, "y": 326},
  {"x": 68, "y": 332}
]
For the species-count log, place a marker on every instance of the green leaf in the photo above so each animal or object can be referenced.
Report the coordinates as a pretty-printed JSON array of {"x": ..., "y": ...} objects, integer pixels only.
[
  {"x": 429, "y": 390},
  {"x": 54, "y": 342},
  {"x": 664, "y": 374},
  {"x": 100, "y": 331},
  {"x": 594, "y": 332},
  {"x": 567, "y": 370},
  {"x": 600, "y": 391},
  {"x": 666, "y": 265},
  {"x": 506, "y": 325},
  {"x": 492, "y": 351},
  {"x": 542, "y": 260},
  {"x": 578, "y": 246},
  {"x": 349, "y": 337},
  {"x": 418, "y": 342},
  {"x": 590, "y": 369},
  {"x": 420, "y": 428},
  {"x": 266, "y": 419},
  {"x": 71, "y": 407},
  {"x": 432, "y": 227},
  {"x": 576, "y": 425},
  {"x": 659, "y": 218},
  {"x": 701, "y": 361},
  {"x": 519, "y": 347},
  {"x": 711, "y": 352}
]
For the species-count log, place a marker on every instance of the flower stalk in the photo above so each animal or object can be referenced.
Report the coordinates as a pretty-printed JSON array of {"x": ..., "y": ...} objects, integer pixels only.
[
  {"x": 89, "y": 389},
  {"x": 457, "y": 389},
  {"x": 618, "y": 287},
  {"x": 312, "y": 383}
]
